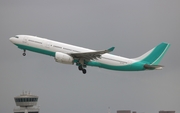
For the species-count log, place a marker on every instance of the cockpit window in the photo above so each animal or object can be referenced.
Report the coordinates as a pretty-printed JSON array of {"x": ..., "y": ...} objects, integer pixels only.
[{"x": 16, "y": 37}]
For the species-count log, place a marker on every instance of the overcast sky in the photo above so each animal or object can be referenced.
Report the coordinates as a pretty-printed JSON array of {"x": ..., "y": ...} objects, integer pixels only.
[{"x": 133, "y": 27}]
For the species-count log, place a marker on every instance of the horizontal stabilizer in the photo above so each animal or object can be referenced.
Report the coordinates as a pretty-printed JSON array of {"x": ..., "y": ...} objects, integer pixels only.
[{"x": 158, "y": 67}]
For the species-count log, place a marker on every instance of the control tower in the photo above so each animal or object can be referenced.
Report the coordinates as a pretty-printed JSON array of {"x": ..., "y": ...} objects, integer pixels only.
[{"x": 26, "y": 103}]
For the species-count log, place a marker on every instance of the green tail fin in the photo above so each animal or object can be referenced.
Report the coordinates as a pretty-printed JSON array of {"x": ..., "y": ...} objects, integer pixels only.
[{"x": 155, "y": 55}]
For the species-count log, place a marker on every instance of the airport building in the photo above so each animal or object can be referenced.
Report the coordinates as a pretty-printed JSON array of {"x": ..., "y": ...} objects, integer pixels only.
[
  {"x": 124, "y": 111},
  {"x": 166, "y": 111},
  {"x": 129, "y": 111},
  {"x": 26, "y": 103}
]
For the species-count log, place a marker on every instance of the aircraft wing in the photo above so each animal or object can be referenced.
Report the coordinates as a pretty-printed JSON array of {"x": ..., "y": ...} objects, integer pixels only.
[{"x": 90, "y": 55}]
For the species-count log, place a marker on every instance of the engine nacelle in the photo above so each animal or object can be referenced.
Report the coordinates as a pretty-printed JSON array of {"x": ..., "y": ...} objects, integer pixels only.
[{"x": 63, "y": 58}]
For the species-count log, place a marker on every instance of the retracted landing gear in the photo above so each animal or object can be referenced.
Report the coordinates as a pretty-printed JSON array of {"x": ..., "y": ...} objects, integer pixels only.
[
  {"x": 82, "y": 69},
  {"x": 24, "y": 53}
]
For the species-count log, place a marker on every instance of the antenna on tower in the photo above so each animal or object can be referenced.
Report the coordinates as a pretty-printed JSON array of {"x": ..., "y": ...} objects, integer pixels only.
[{"x": 23, "y": 92}]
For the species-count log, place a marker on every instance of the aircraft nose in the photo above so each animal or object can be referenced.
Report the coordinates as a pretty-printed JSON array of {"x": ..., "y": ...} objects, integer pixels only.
[{"x": 11, "y": 39}]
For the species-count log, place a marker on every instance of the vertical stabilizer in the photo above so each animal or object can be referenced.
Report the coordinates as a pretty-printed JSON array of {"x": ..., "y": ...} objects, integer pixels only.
[{"x": 155, "y": 55}]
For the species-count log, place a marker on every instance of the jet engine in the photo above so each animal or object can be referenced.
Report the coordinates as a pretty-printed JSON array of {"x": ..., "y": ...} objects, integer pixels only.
[{"x": 63, "y": 58}]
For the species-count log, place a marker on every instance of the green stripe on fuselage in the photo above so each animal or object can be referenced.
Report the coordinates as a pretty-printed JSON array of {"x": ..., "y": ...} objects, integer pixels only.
[
  {"x": 42, "y": 51},
  {"x": 137, "y": 66}
]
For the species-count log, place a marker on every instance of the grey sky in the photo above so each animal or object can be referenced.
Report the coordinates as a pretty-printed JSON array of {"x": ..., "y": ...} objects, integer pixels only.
[{"x": 133, "y": 27}]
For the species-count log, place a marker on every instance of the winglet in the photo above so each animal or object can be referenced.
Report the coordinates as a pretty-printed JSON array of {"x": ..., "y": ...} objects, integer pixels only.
[{"x": 111, "y": 49}]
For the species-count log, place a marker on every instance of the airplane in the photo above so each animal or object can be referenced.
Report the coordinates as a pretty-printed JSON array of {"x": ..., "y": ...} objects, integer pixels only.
[{"x": 83, "y": 57}]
